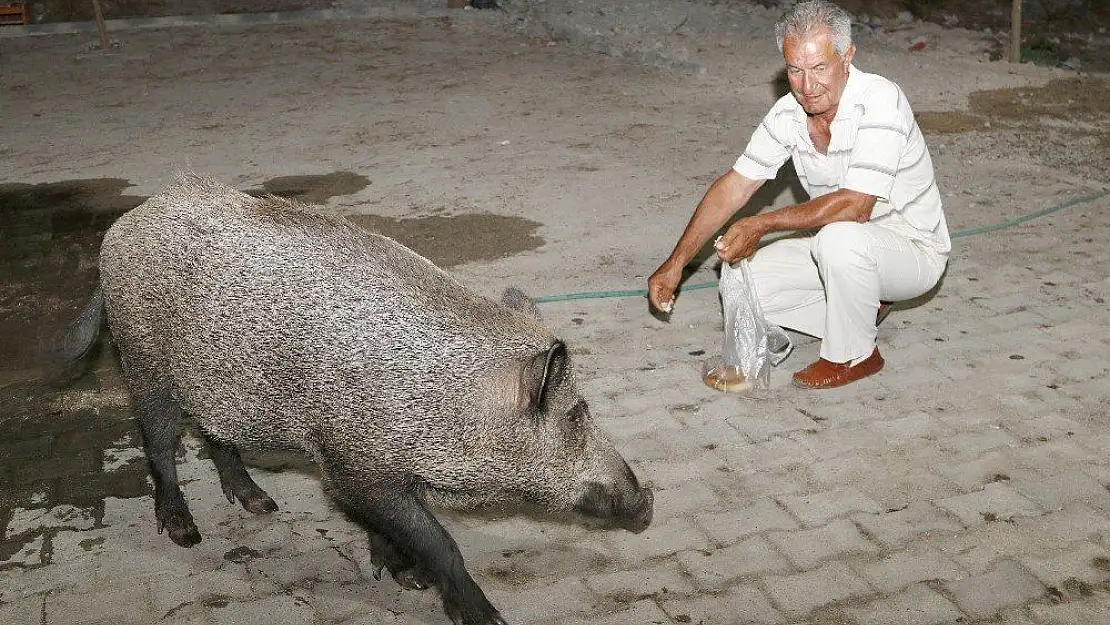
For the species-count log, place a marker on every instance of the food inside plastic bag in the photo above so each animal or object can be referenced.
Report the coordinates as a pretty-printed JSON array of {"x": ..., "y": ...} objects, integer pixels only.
[{"x": 749, "y": 340}]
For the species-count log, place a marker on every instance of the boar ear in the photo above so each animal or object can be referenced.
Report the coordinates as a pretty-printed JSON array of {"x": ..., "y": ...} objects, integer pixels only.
[
  {"x": 542, "y": 374},
  {"x": 519, "y": 301}
]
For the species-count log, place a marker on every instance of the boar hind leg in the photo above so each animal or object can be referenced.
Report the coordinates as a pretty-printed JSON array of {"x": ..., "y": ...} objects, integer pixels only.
[
  {"x": 235, "y": 480},
  {"x": 407, "y": 574},
  {"x": 160, "y": 419}
]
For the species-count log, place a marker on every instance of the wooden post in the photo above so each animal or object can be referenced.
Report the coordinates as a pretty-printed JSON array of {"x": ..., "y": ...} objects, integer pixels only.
[
  {"x": 1015, "y": 33},
  {"x": 101, "y": 26}
]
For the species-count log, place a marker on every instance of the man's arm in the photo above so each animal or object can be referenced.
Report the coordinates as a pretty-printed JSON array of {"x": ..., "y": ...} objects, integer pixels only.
[
  {"x": 728, "y": 194},
  {"x": 843, "y": 205}
]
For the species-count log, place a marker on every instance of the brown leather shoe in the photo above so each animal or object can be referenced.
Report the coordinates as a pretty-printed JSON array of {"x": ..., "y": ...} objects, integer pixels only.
[{"x": 825, "y": 374}]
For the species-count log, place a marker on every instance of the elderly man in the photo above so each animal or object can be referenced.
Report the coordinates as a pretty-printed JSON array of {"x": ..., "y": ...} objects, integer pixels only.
[{"x": 880, "y": 235}]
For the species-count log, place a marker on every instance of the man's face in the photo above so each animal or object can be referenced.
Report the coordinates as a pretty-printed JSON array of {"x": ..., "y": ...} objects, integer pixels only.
[{"x": 816, "y": 72}]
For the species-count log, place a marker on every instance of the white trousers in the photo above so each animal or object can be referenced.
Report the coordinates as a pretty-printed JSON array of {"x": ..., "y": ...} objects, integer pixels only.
[{"x": 829, "y": 285}]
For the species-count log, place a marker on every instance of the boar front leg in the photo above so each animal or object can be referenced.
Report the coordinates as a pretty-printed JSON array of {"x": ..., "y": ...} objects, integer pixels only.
[{"x": 420, "y": 544}]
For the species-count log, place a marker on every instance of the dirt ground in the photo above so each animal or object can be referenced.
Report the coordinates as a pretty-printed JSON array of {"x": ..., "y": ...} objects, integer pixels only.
[
  {"x": 563, "y": 155},
  {"x": 1055, "y": 31}
]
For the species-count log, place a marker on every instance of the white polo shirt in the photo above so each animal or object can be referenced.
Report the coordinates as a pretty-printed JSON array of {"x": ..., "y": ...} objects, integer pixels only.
[{"x": 876, "y": 148}]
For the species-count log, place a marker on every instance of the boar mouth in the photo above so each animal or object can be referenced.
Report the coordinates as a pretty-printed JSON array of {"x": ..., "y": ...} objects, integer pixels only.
[{"x": 630, "y": 510}]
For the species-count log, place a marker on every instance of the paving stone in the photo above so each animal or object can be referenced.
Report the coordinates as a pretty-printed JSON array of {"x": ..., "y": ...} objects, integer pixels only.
[
  {"x": 815, "y": 509},
  {"x": 1090, "y": 610},
  {"x": 917, "y": 605},
  {"x": 1054, "y": 492},
  {"x": 974, "y": 444},
  {"x": 913, "y": 483},
  {"x": 622, "y": 425},
  {"x": 916, "y": 425},
  {"x": 666, "y": 578},
  {"x": 714, "y": 570},
  {"x": 916, "y": 378},
  {"x": 1048, "y": 457},
  {"x": 761, "y": 516},
  {"x": 707, "y": 425},
  {"x": 170, "y": 594},
  {"x": 905, "y": 568},
  {"x": 775, "y": 424},
  {"x": 547, "y": 599},
  {"x": 896, "y": 528},
  {"x": 306, "y": 569},
  {"x": 741, "y": 605},
  {"x": 800, "y": 594},
  {"x": 847, "y": 469},
  {"x": 661, "y": 539},
  {"x": 806, "y": 548},
  {"x": 776, "y": 452},
  {"x": 1048, "y": 426},
  {"x": 983, "y": 470},
  {"x": 996, "y": 501},
  {"x": 1006, "y": 584},
  {"x": 29, "y": 552},
  {"x": 645, "y": 611},
  {"x": 837, "y": 414},
  {"x": 28, "y": 610},
  {"x": 659, "y": 445},
  {"x": 789, "y": 479},
  {"x": 684, "y": 499},
  {"x": 1068, "y": 564},
  {"x": 283, "y": 609},
  {"x": 707, "y": 467},
  {"x": 109, "y": 605}
]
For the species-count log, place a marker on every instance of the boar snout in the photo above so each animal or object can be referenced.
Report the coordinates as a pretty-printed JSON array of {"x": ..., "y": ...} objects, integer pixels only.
[{"x": 622, "y": 503}]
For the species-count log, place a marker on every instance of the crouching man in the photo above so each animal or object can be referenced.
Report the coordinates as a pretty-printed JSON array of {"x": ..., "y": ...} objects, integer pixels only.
[{"x": 877, "y": 231}]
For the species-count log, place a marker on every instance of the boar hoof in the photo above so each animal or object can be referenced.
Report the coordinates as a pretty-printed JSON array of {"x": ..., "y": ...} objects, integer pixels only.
[
  {"x": 181, "y": 528},
  {"x": 412, "y": 579},
  {"x": 260, "y": 503},
  {"x": 407, "y": 574},
  {"x": 473, "y": 615},
  {"x": 252, "y": 498}
]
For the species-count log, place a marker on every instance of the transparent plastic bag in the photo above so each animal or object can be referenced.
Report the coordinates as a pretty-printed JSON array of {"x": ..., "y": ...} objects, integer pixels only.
[{"x": 749, "y": 339}]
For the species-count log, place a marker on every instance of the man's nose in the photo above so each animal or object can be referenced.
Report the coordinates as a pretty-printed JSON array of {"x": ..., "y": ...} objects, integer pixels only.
[{"x": 808, "y": 84}]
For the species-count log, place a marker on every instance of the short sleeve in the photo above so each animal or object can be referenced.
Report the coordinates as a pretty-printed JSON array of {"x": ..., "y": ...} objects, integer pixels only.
[
  {"x": 768, "y": 148},
  {"x": 880, "y": 141}
]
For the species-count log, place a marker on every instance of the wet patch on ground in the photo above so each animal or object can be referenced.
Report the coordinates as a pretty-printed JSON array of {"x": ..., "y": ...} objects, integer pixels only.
[
  {"x": 51, "y": 237},
  {"x": 312, "y": 189},
  {"x": 1063, "y": 124},
  {"x": 456, "y": 239},
  {"x": 1079, "y": 100},
  {"x": 53, "y": 476}
]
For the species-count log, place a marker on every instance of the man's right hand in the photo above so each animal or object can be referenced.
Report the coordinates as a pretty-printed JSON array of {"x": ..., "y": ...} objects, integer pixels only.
[{"x": 662, "y": 286}]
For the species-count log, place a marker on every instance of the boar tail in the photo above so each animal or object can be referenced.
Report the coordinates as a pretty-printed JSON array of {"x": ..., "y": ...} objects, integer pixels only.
[{"x": 68, "y": 353}]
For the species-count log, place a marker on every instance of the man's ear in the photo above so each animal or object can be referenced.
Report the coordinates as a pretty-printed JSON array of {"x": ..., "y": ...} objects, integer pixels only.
[
  {"x": 849, "y": 54},
  {"x": 542, "y": 373}
]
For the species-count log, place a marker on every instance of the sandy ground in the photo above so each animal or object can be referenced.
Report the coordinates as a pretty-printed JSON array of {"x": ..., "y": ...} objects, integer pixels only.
[{"x": 562, "y": 154}]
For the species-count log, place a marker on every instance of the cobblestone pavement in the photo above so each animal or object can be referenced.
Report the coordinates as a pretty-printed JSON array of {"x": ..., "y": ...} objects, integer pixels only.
[{"x": 967, "y": 483}]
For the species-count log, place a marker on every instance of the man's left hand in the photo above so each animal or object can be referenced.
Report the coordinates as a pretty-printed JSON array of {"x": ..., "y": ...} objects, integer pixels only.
[{"x": 740, "y": 240}]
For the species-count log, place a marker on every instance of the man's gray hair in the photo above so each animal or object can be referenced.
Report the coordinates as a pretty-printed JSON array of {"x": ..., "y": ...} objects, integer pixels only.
[{"x": 805, "y": 18}]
